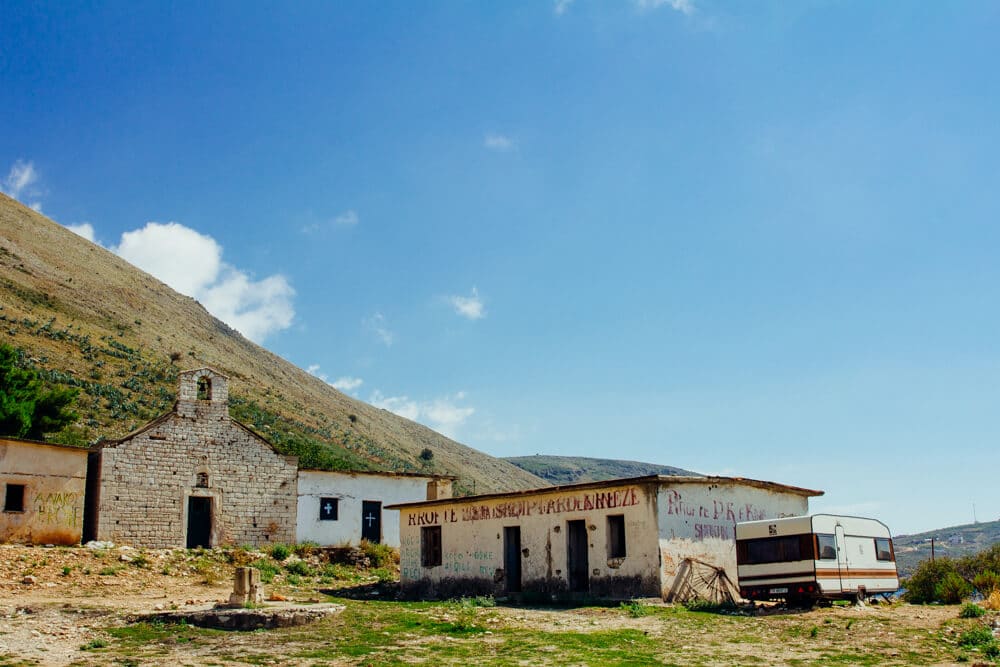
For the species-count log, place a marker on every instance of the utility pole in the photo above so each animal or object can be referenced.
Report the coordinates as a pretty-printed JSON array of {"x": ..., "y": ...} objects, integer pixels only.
[{"x": 932, "y": 549}]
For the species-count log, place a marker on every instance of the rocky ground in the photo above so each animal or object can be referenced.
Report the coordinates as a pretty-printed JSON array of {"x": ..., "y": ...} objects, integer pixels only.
[{"x": 61, "y": 606}]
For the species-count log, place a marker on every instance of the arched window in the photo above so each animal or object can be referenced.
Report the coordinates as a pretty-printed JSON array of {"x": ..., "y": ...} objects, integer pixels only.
[{"x": 204, "y": 389}]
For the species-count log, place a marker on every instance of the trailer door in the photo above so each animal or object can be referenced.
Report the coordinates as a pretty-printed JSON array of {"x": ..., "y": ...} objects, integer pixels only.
[{"x": 842, "y": 565}]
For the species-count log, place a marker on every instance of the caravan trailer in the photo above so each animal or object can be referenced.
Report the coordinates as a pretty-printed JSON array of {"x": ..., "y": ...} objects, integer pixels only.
[{"x": 804, "y": 558}]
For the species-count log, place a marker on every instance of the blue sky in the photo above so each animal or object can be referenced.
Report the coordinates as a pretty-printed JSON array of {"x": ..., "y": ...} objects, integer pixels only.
[{"x": 756, "y": 239}]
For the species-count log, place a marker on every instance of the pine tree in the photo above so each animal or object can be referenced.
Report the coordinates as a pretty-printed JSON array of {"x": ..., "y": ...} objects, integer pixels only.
[{"x": 27, "y": 409}]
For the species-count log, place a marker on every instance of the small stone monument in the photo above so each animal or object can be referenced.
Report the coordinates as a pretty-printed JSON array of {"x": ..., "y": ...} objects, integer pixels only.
[{"x": 246, "y": 588}]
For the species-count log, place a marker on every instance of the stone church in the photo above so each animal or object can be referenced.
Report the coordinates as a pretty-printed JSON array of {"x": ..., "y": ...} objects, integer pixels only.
[{"x": 193, "y": 477}]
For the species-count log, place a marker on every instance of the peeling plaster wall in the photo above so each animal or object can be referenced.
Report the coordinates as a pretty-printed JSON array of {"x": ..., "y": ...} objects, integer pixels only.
[
  {"x": 698, "y": 521},
  {"x": 350, "y": 490},
  {"x": 54, "y": 480},
  {"x": 472, "y": 537}
]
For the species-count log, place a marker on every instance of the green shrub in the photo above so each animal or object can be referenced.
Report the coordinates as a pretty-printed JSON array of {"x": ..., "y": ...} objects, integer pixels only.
[
  {"x": 280, "y": 552},
  {"x": 293, "y": 579},
  {"x": 976, "y": 638},
  {"x": 299, "y": 567},
  {"x": 379, "y": 555},
  {"x": 986, "y": 582},
  {"x": 267, "y": 569},
  {"x": 922, "y": 587},
  {"x": 971, "y": 610},
  {"x": 952, "y": 589}
]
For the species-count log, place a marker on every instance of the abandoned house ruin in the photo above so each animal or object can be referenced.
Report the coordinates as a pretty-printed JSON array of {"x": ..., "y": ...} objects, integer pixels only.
[
  {"x": 43, "y": 492},
  {"x": 655, "y": 536}
]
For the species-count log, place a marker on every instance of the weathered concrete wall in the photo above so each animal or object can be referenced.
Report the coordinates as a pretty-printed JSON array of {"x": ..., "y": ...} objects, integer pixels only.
[
  {"x": 472, "y": 543},
  {"x": 350, "y": 490},
  {"x": 54, "y": 479},
  {"x": 696, "y": 523},
  {"x": 147, "y": 479}
]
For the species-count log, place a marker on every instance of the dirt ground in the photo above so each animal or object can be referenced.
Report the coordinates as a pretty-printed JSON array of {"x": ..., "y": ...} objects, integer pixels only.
[{"x": 53, "y": 601}]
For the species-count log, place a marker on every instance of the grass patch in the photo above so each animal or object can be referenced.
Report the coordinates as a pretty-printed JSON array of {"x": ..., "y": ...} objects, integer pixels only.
[
  {"x": 971, "y": 610},
  {"x": 635, "y": 609}
]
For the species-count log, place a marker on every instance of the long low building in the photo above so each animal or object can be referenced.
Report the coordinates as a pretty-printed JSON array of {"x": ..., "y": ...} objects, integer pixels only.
[{"x": 670, "y": 537}]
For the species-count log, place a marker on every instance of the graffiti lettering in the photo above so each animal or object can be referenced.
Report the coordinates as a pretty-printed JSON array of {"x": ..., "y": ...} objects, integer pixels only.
[
  {"x": 58, "y": 508},
  {"x": 703, "y": 530},
  {"x": 518, "y": 508}
]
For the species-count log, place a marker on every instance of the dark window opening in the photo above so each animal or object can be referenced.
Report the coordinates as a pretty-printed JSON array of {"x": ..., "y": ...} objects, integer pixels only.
[
  {"x": 775, "y": 549},
  {"x": 202, "y": 481},
  {"x": 328, "y": 509},
  {"x": 14, "y": 498},
  {"x": 826, "y": 547},
  {"x": 616, "y": 536},
  {"x": 883, "y": 549},
  {"x": 430, "y": 546},
  {"x": 204, "y": 389}
]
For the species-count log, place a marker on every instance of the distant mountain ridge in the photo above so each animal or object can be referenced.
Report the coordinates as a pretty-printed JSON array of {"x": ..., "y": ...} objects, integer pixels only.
[
  {"x": 954, "y": 542},
  {"x": 579, "y": 469},
  {"x": 85, "y": 318}
]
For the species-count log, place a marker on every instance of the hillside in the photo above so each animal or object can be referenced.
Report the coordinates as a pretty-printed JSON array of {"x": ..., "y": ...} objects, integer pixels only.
[
  {"x": 86, "y": 318},
  {"x": 573, "y": 469},
  {"x": 954, "y": 542}
]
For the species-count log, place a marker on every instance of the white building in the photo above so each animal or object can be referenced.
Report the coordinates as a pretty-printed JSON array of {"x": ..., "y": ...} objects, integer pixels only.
[
  {"x": 655, "y": 536},
  {"x": 341, "y": 508}
]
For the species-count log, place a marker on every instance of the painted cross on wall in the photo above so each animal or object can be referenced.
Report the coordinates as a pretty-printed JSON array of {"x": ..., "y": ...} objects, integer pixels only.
[{"x": 328, "y": 509}]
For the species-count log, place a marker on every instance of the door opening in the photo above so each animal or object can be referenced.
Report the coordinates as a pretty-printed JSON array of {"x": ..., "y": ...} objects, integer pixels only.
[
  {"x": 371, "y": 521},
  {"x": 199, "y": 533},
  {"x": 512, "y": 558},
  {"x": 576, "y": 556}
]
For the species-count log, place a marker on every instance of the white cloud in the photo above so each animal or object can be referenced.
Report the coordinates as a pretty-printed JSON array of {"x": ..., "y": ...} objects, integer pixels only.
[
  {"x": 443, "y": 414},
  {"x": 313, "y": 369},
  {"x": 84, "y": 229},
  {"x": 561, "y": 6},
  {"x": 377, "y": 325},
  {"x": 20, "y": 183},
  {"x": 191, "y": 263},
  {"x": 498, "y": 142},
  {"x": 347, "y": 384},
  {"x": 347, "y": 219},
  {"x": 682, "y": 6},
  {"x": 470, "y": 307},
  {"x": 21, "y": 177}
]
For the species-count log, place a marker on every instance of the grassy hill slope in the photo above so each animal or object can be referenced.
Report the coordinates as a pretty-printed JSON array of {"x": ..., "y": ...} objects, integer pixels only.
[
  {"x": 954, "y": 542},
  {"x": 86, "y": 318},
  {"x": 573, "y": 469}
]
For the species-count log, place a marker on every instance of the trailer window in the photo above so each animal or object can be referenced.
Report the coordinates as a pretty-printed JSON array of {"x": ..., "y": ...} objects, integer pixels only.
[
  {"x": 883, "y": 549},
  {"x": 774, "y": 549},
  {"x": 827, "y": 547}
]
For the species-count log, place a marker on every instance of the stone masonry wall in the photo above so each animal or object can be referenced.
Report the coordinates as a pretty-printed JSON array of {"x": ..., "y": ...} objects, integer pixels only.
[{"x": 146, "y": 479}]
